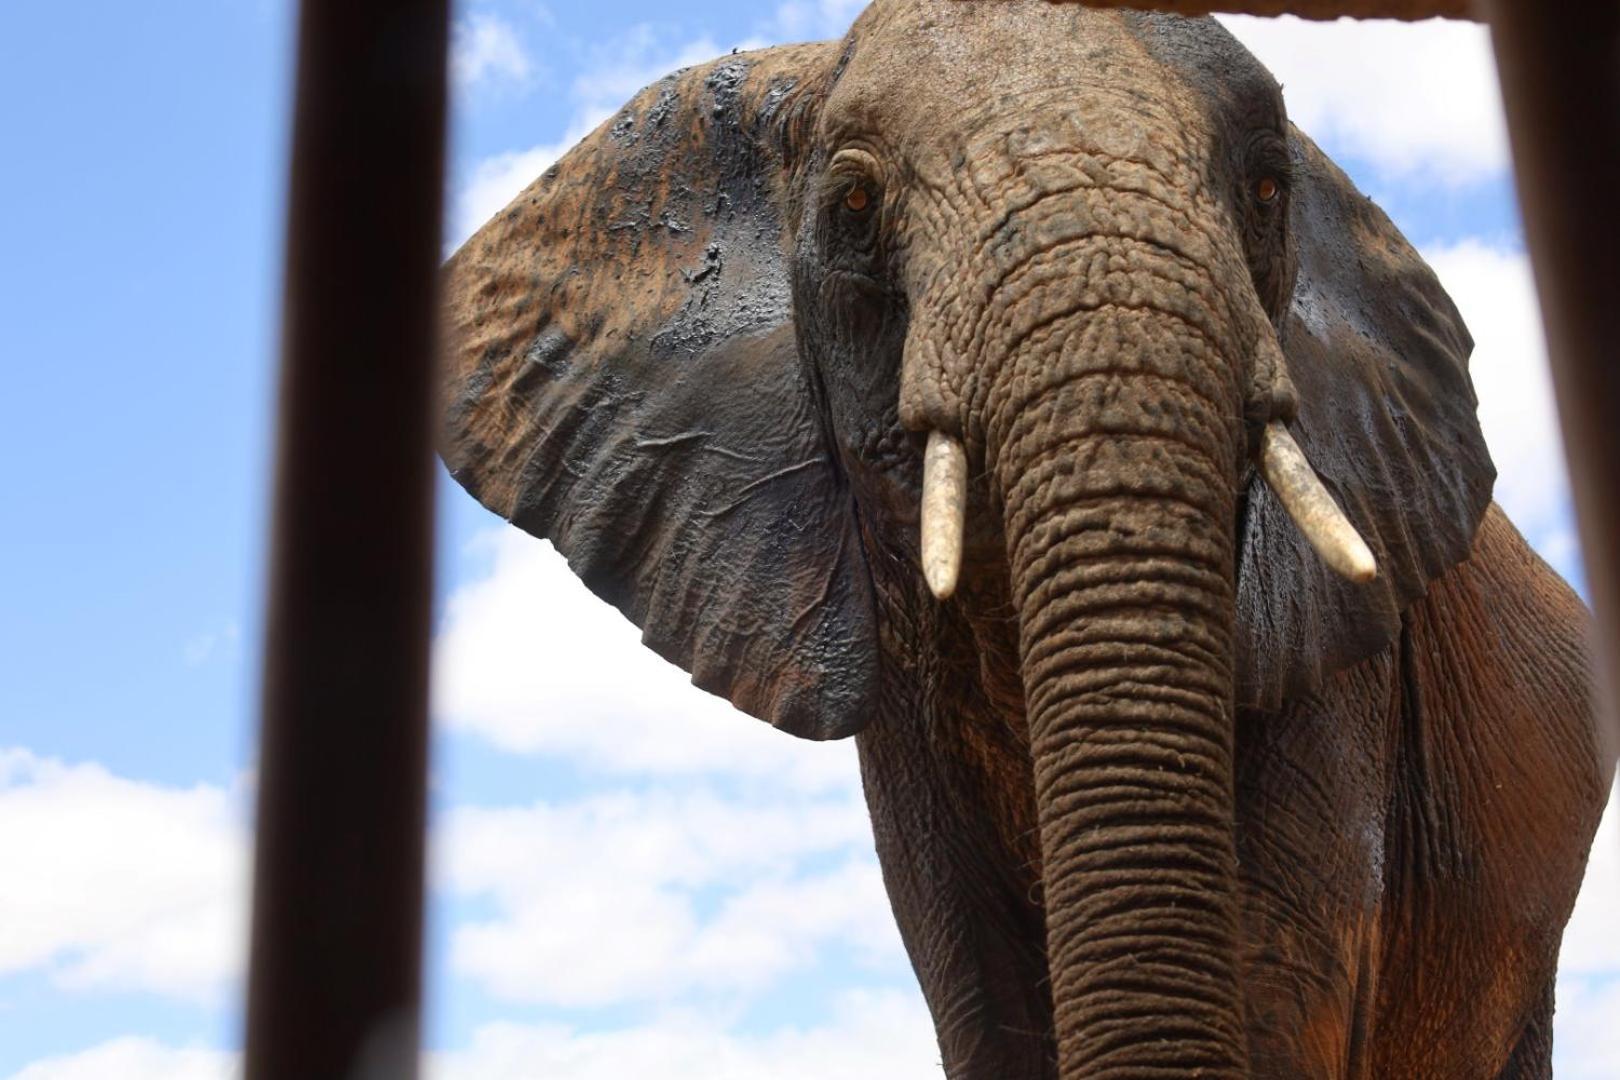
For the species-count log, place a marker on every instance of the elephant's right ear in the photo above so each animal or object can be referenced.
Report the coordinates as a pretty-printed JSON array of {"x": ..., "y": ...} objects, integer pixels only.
[
  {"x": 623, "y": 379},
  {"x": 1379, "y": 356}
]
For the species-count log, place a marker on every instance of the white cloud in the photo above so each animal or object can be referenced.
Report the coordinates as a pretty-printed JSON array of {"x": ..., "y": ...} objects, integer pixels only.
[
  {"x": 1585, "y": 1035},
  {"x": 1418, "y": 101},
  {"x": 602, "y": 901},
  {"x": 531, "y": 661},
  {"x": 201, "y": 648},
  {"x": 485, "y": 50},
  {"x": 1496, "y": 295},
  {"x": 682, "y": 895},
  {"x": 1586, "y": 1038},
  {"x": 1591, "y": 945},
  {"x": 134, "y": 1059},
  {"x": 114, "y": 884},
  {"x": 810, "y": 20},
  {"x": 616, "y": 70},
  {"x": 871, "y": 1034}
]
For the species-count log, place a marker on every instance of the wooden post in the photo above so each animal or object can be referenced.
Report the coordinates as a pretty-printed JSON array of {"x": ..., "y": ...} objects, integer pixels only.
[
  {"x": 1560, "y": 72},
  {"x": 335, "y": 981}
]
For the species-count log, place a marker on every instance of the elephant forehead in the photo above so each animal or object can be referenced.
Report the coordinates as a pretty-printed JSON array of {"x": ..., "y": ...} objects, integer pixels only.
[{"x": 967, "y": 76}]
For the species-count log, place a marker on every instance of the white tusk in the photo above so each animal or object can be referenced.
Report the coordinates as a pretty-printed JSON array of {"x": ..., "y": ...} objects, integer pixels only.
[
  {"x": 944, "y": 512},
  {"x": 1283, "y": 465}
]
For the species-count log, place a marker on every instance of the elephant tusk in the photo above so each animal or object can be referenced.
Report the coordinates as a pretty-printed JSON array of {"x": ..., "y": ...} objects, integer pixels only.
[
  {"x": 944, "y": 511},
  {"x": 1319, "y": 518}
]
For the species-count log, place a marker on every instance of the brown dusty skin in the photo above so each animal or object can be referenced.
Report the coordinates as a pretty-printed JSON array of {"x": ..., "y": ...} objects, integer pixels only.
[{"x": 1156, "y": 792}]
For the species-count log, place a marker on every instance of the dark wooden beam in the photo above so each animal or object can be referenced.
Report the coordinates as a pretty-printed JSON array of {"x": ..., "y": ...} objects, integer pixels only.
[
  {"x": 334, "y": 985},
  {"x": 1306, "y": 9},
  {"x": 1560, "y": 73}
]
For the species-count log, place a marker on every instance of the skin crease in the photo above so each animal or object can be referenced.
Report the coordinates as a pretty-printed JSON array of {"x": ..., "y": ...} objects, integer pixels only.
[{"x": 1154, "y": 795}]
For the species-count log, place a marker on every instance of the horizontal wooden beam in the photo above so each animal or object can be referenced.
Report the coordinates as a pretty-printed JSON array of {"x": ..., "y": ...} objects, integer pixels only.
[{"x": 1306, "y": 9}]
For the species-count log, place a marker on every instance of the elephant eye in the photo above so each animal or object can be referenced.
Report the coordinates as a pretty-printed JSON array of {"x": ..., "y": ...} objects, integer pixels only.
[
  {"x": 857, "y": 199},
  {"x": 1266, "y": 190}
]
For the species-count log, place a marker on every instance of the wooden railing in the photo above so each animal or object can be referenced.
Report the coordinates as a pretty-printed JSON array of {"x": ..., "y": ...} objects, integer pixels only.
[
  {"x": 335, "y": 976},
  {"x": 1560, "y": 71}
]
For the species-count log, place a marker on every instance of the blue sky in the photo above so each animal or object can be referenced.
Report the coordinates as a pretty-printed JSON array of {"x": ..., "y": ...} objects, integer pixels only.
[{"x": 625, "y": 872}]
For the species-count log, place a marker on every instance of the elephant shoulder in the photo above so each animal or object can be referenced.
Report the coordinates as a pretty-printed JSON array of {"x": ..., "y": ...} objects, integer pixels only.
[
  {"x": 1498, "y": 787},
  {"x": 1511, "y": 620},
  {"x": 1497, "y": 654}
]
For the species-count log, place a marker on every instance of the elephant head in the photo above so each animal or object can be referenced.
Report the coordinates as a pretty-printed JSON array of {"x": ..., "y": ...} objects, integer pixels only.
[{"x": 1022, "y": 315}]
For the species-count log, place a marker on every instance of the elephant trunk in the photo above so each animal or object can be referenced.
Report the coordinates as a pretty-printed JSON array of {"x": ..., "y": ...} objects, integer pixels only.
[{"x": 1113, "y": 439}]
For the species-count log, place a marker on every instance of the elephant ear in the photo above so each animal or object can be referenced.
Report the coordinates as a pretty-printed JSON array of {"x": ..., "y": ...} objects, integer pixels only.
[
  {"x": 1379, "y": 356},
  {"x": 622, "y": 378}
]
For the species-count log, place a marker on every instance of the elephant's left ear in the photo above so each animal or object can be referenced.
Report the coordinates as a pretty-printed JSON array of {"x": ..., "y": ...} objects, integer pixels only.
[
  {"x": 623, "y": 378},
  {"x": 1379, "y": 356}
]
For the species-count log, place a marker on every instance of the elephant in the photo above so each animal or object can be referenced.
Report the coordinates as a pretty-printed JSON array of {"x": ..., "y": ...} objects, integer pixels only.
[{"x": 1009, "y": 385}]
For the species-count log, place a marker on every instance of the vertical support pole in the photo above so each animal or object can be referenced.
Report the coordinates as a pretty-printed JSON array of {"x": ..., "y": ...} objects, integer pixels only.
[
  {"x": 1560, "y": 72},
  {"x": 335, "y": 980}
]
